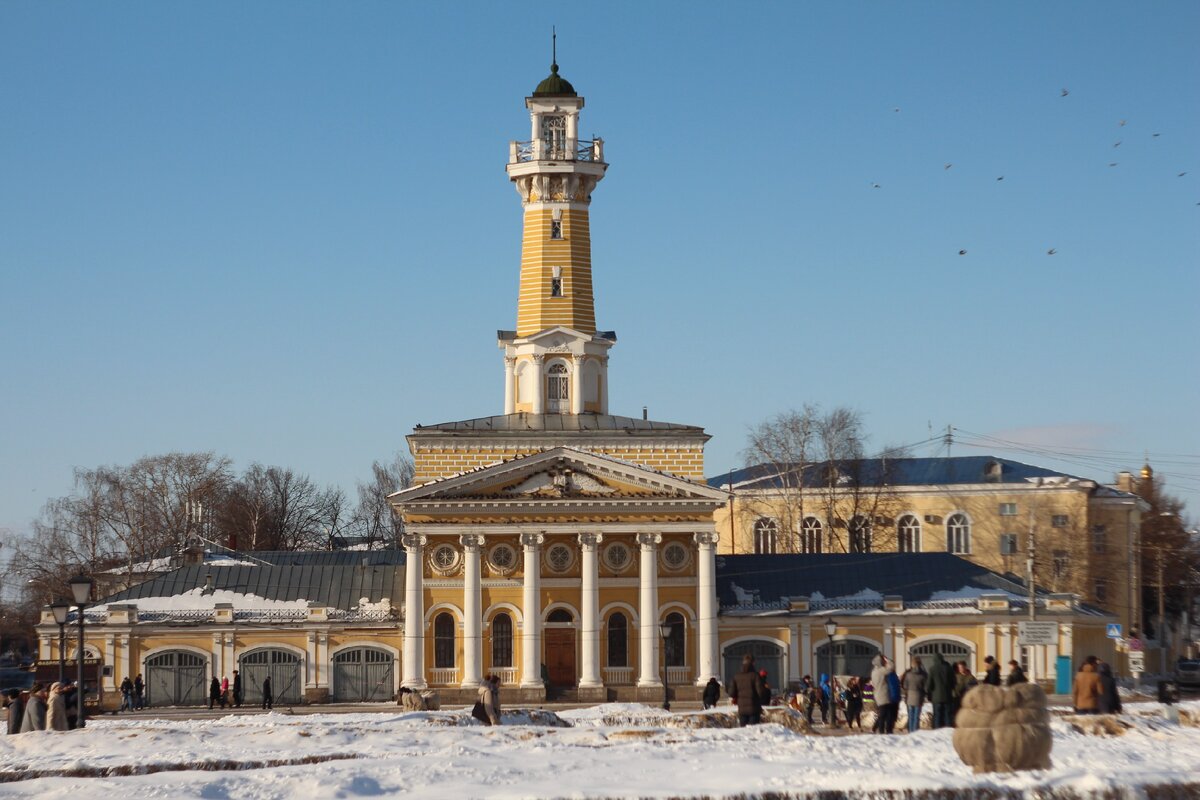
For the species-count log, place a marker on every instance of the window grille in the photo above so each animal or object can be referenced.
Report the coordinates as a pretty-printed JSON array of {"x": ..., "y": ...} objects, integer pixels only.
[
  {"x": 908, "y": 534},
  {"x": 958, "y": 534}
]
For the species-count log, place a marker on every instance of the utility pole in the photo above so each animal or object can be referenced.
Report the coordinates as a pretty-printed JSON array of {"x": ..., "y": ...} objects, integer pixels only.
[{"x": 1162, "y": 642}]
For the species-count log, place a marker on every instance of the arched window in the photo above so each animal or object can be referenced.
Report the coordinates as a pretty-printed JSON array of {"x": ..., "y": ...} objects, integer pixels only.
[
  {"x": 849, "y": 657},
  {"x": 502, "y": 630},
  {"x": 951, "y": 650},
  {"x": 560, "y": 615},
  {"x": 558, "y": 389},
  {"x": 618, "y": 640},
  {"x": 908, "y": 534},
  {"x": 766, "y": 535},
  {"x": 860, "y": 535},
  {"x": 958, "y": 534},
  {"x": 674, "y": 651},
  {"x": 443, "y": 641},
  {"x": 810, "y": 535}
]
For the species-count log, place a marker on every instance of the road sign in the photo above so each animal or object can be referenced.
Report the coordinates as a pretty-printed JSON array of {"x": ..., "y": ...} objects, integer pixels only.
[
  {"x": 1114, "y": 630},
  {"x": 1030, "y": 632},
  {"x": 1134, "y": 644},
  {"x": 1137, "y": 661}
]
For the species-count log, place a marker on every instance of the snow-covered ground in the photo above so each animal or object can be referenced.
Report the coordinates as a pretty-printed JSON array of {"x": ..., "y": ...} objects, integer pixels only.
[{"x": 610, "y": 751}]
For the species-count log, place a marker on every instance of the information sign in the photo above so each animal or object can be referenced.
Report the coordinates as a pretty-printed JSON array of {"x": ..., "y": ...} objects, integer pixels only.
[
  {"x": 1137, "y": 661},
  {"x": 1030, "y": 632}
]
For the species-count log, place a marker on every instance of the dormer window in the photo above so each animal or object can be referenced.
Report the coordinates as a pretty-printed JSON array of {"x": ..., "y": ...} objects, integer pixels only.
[
  {"x": 556, "y": 283},
  {"x": 556, "y": 229}
]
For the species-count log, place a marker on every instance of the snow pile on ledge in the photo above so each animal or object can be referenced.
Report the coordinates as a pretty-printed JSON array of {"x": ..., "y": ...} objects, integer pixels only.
[{"x": 197, "y": 600}]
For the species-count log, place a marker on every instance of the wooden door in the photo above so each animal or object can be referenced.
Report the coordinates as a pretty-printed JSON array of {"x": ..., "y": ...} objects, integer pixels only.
[{"x": 560, "y": 656}]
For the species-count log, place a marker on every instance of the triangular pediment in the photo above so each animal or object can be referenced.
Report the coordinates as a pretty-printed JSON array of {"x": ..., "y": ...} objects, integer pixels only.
[{"x": 561, "y": 473}]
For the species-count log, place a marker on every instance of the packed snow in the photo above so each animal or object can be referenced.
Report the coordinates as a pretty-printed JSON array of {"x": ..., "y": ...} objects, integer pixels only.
[
  {"x": 643, "y": 754},
  {"x": 199, "y": 599}
]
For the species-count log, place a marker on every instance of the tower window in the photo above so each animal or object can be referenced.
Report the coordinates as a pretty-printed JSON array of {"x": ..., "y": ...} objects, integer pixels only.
[
  {"x": 557, "y": 390},
  {"x": 556, "y": 229},
  {"x": 556, "y": 287},
  {"x": 554, "y": 134}
]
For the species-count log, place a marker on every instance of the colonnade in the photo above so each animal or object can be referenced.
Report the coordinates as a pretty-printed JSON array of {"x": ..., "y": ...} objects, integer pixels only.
[{"x": 589, "y": 610}]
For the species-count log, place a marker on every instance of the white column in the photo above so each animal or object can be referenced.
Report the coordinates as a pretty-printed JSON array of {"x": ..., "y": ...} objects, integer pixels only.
[
  {"x": 706, "y": 604},
  {"x": 311, "y": 680},
  {"x": 899, "y": 649},
  {"x": 794, "y": 675},
  {"x": 322, "y": 666},
  {"x": 531, "y": 612},
  {"x": 603, "y": 378},
  {"x": 414, "y": 611},
  {"x": 648, "y": 610},
  {"x": 539, "y": 386},
  {"x": 589, "y": 612},
  {"x": 217, "y": 667},
  {"x": 1005, "y": 648},
  {"x": 230, "y": 658},
  {"x": 472, "y": 673},
  {"x": 888, "y": 652},
  {"x": 510, "y": 383},
  {"x": 125, "y": 665},
  {"x": 110, "y": 657},
  {"x": 806, "y": 649},
  {"x": 989, "y": 647},
  {"x": 576, "y": 384}
]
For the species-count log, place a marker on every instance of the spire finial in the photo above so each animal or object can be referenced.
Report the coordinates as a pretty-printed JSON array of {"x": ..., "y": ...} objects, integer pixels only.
[{"x": 553, "y": 49}]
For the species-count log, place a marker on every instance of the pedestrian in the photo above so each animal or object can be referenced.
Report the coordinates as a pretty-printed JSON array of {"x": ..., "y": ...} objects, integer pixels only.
[
  {"x": 238, "y": 691},
  {"x": 224, "y": 691},
  {"x": 824, "y": 696},
  {"x": 57, "y": 709},
  {"x": 745, "y": 691},
  {"x": 1087, "y": 690},
  {"x": 14, "y": 705},
  {"x": 484, "y": 710},
  {"x": 712, "y": 693},
  {"x": 1015, "y": 674},
  {"x": 214, "y": 692},
  {"x": 70, "y": 692},
  {"x": 811, "y": 697},
  {"x": 139, "y": 692},
  {"x": 765, "y": 697},
  {"x": 126, "y": 694},
  {"x": 914, "y": 684},
  {"x": 837, "y": 699},
  {"x": 941, "y": 686},
  {"x": 496, "y": 699},
  {"x": 963, "y": 681},
  {"x": 884, "y": 699},
  {"x": 854, "y": 702},
  {"x": 893, "y": 683},
  {"x": 34, "y": 718},
  {"x": 268, "y": 701},
  {"x": 992, "y": 672},
  {"x": 1109, "y": 701}
]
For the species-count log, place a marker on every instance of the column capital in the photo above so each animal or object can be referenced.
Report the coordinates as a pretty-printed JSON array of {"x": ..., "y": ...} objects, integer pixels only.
[
  {"x": 471, "y": 542},
  {"x": 590, "y": 540},
  {"x": 532, "y": 541},
  {"x": 510, "y": 361},
  {"x": 539, "y": 358},
  {"x": 706, "y": 539},
  {"x": 413, "y": 541},
  {"x": 648, "y": 541},
  {"x": 577, "y": 358}
]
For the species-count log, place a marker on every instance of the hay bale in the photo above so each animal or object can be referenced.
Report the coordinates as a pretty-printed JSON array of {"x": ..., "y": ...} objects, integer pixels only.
[
  {"x": 1004, "y": 730},
  {"x": 788, "y": 718},
  {"x": 1097, "y": 724}
]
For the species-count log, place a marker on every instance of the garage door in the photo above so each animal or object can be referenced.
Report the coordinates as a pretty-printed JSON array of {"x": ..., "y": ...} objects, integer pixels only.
[
  {"x": 363, "y": 674},
  {"x": 283, "y": 667},
  {"x": 176, "y": 678},
  {"x": 767, "y": 655}
]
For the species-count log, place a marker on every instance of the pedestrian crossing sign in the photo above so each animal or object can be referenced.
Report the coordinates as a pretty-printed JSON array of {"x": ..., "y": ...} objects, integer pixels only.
[{"x": 1114, "y": 630}]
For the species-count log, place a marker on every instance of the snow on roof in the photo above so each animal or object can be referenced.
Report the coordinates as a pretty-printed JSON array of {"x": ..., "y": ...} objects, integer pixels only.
[{"x": 198, "y": 600}]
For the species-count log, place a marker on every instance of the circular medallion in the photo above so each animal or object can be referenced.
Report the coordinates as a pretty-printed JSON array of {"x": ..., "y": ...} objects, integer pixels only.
[
  {"x": 559, "y": 557},
  {"x": 502, "y": 559},
  {"x": 444, "y": 559},
  {"x": 675, "y": 556},
  {"x": 617, "y": 557}
]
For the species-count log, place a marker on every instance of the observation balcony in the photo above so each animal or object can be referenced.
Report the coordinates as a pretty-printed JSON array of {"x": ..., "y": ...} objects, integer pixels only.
[{"x": 591, "y": 150}]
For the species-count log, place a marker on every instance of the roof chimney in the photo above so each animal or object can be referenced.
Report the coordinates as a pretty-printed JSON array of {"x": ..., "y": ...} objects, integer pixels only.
[{"x": 645, "y": 413}]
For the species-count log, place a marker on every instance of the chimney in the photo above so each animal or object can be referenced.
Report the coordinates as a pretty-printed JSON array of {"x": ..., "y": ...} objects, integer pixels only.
[
  {"x": 645, "y": 413},
  {"x": 1125, "y": 481}
]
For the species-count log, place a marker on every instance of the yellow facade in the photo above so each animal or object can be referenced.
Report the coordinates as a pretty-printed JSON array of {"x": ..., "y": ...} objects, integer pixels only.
[
  {"x": 541, "y": 305},
  {"x": 437, "y": 460}
]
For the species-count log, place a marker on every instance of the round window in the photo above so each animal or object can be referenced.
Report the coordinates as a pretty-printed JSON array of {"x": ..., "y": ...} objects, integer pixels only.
[
  {"x": 503, "y": 558},
  {"x": 675, "y": 556},
  {"x": 444, "y": 558},
  {"x": 617, "y": 557},
  {"x": 559, "y": 557}
]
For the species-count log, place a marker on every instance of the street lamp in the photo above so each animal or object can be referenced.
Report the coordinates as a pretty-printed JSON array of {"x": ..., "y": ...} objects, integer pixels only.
[
  {"x": 664, "y": 629},
  {"x": 61, "y": 608},
  {"x": 81, "y": 588},
  {"x": 830, "y": 629}
]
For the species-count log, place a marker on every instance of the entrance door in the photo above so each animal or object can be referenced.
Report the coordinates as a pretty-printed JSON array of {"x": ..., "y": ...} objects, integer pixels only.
[{"x": 560, "y": 656}]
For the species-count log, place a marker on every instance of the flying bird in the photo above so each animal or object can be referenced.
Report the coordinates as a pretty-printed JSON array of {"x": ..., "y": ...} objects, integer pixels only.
[
  {"x": 1064, "y": 93},
  {"x": 1180, "y": 175},
  {"x": 1117, "y": 143},
  {"x": 1156, "y": 135},
  {"x": 948, "y": 166},
  {"x": 1112, "y": 163},
  {"x": 896, "y": 109},
  {"x": 1051, "y": 251},
  {"x": 875, "y": 186},
  {"x": 1121, "y": 124},
  {"x": 1000, "y": 178},
  {"x": 962, "y": 252}
]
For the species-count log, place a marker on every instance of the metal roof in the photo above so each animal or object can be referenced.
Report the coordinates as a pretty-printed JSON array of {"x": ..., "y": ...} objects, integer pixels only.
[
  {"x": 337, "y": 580},
  {"x": 526, "y": 423}
]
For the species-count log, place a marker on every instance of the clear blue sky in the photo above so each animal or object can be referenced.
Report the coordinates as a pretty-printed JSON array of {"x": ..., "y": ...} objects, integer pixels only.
[{"x": 283, "y": 232}]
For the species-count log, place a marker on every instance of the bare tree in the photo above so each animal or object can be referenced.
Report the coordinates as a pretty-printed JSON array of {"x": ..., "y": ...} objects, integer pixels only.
[{"x": 374, "y": 520}]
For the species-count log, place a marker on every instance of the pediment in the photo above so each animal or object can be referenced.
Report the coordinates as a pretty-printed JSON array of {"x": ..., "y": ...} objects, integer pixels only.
[{"x": 561, "y": 473}]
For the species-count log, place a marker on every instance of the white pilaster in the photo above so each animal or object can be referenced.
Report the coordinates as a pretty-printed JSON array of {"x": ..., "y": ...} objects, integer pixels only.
[
  {"x": 472, "y": 673},
  {"x": 603, "y": 378},
  {"x": 230, "y": 658},
  {"x": 589, "y": 611},
  {"x": 215, "y": 662},
  {"x": 322, "y": 666},
  {"x": 806, "y": 649},
  {"x": 1006, "y": 653},
  {"x": 793, "y": 676},
  {"x": 899, "y": 649},
  {"x": 311, "y": 680},
  {"x": 888, "y": 642},
  {"x": 414, "y": 611},
  {"x": 989, "y": 647},
  {"x": 706, "y": 605},
  {"x": 126, "y": 667},
  {"x": 539, "y": 386},
  {"x": 110, "y": 656},
  {"x": 576, "y": 384},
  {"x": 648, "y": 610},
  {"x": 531, "y": 631},
  {"x": 510, "y": 381}
]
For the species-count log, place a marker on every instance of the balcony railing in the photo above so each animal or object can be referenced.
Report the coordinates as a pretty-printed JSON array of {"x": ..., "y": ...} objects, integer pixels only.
[
  {"x": 618, "y": 676},
  {"x": 679, "y": 675},
  {"x": 507, "y": 675},
  {"x": 584, "y": 150},
  {"x": 443, "y": 676}
]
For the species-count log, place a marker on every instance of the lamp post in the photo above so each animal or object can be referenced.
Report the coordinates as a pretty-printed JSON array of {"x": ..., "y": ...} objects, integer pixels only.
[
  {"x": 61, "y": 608},
  {"x": 664, "y": 629},
  {"x": 830, "y": 629},
  {"x": 81, "y": 588}
]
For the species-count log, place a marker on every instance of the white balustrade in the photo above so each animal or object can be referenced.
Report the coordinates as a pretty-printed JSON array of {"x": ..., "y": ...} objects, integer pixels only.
[{"x": 618, "y": 676}]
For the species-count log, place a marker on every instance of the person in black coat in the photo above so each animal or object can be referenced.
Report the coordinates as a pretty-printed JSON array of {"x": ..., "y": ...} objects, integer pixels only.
[
  {"x": 1109, "y": 701},
  {"x": 746, "y": 690},
  {"x": 992, "y": 676},
  {"x": 16, "y": 710},
  {"x": 237, "y": 689},
  {"x": 268, "y": 696},
  {"x": 1015, "y": 675},
  {"x": 214, "y": 693},
  {"x": 712, "y": 693}
]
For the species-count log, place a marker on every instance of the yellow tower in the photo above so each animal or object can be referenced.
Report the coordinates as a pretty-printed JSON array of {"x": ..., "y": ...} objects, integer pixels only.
[{"x": 556, "y": 362}]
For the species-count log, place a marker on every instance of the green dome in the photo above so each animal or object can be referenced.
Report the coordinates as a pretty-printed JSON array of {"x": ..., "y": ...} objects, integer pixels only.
[{"x": 555, "y": 85}]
